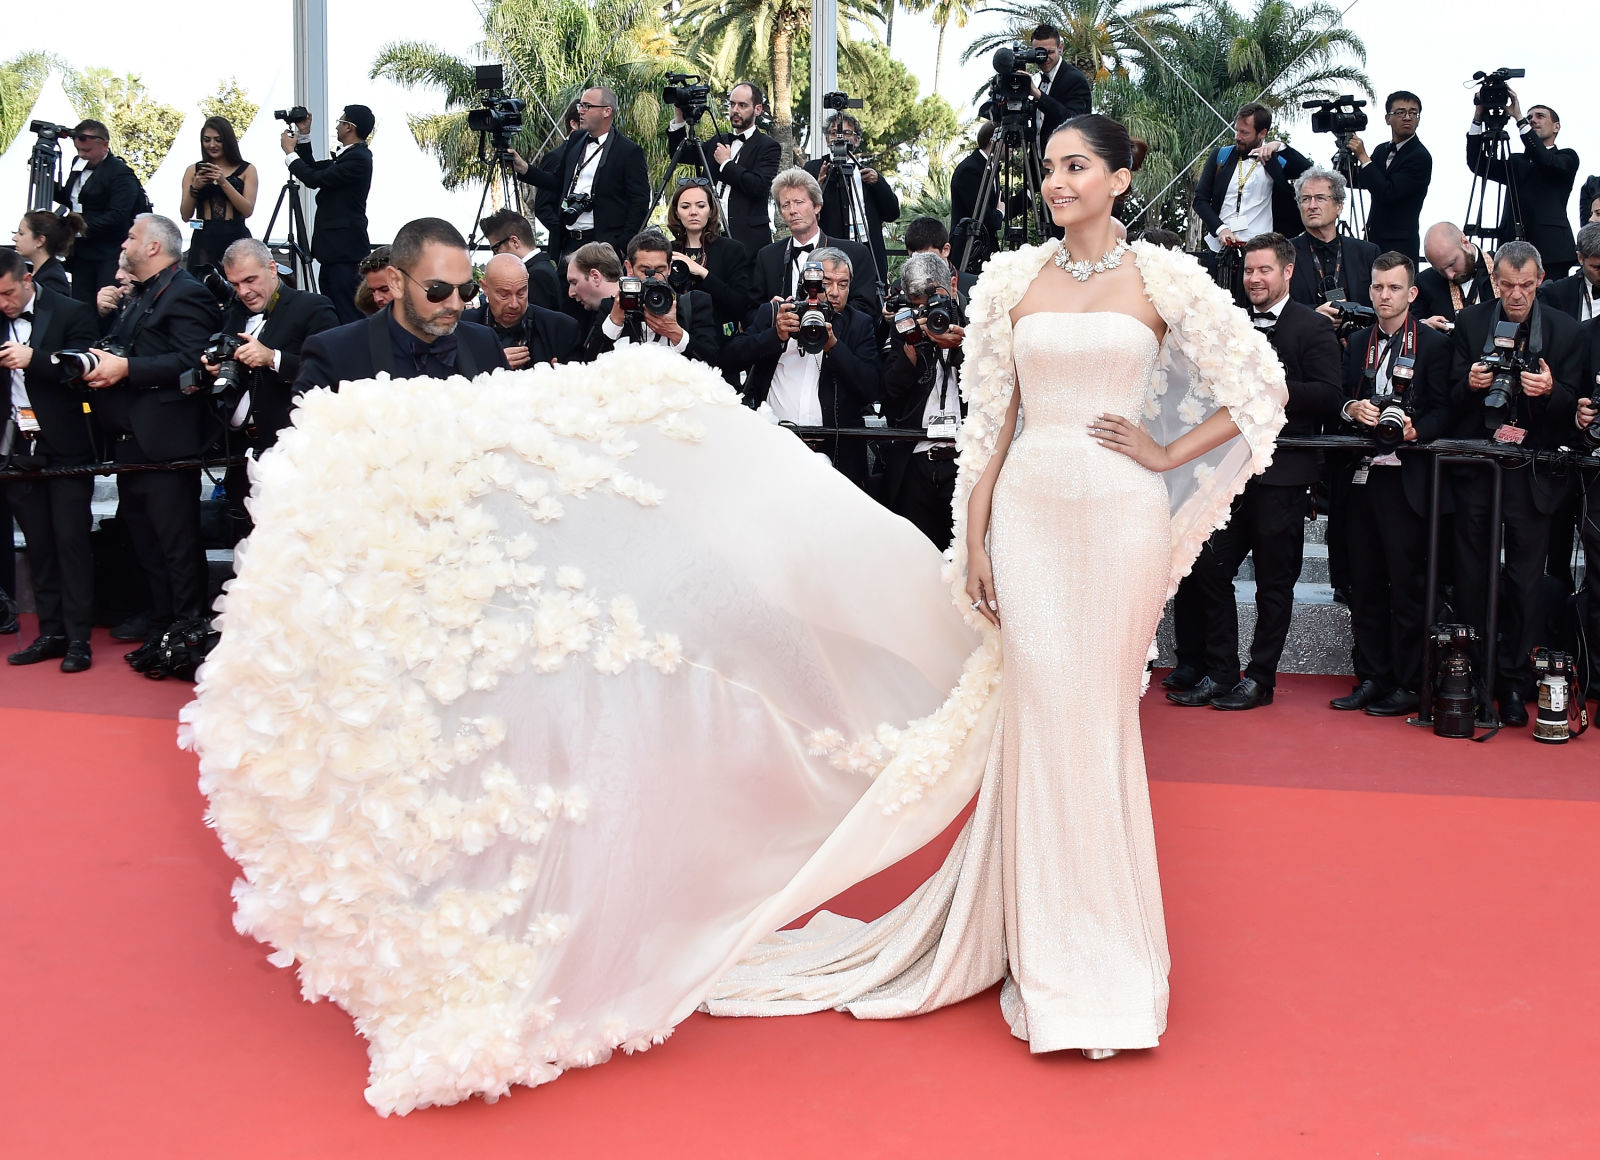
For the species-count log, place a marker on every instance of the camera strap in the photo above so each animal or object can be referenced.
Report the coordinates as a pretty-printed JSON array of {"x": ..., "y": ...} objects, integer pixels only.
[
  {"x": 1323, "y": 280},
  {"x": 589, "y": 156},
  {"x": 133, "y": 321},
  {"x": 1383, "y": 349}
]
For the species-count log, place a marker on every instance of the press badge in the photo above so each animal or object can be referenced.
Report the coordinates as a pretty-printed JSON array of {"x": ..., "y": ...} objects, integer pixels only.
[
  {"x": 943, "y": 426},
  {"x": 1506, "y": 433},
  {"x": 1361, "y": 474},
  {"x": 27, "y": 422}
]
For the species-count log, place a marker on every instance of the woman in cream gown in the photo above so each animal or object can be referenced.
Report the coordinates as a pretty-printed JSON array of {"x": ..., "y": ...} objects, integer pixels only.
[{"x": 544, "y": 701}]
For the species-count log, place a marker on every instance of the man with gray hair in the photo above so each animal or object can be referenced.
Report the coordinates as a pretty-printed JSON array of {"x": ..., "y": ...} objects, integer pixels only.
[
  {"x": 922, "y": 388},
  {"x": 1578, "y": 294},
  {"x": 828, "y": 387},
  {"x": 1538, "y": 414},
  {"x": 1329, "y": 266},
  {"x": 777, "y": 267},
  {"x": 149, "y": 407}
]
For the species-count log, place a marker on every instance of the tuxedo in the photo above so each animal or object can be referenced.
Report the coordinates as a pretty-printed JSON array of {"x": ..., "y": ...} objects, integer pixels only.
[
  {"x": 1386, "y": 514},
  {"x": 1567, "y": 295},
  {"x": 547, "y": 286},
  {"x": 747, "y": 177},
  {"x": 773, "y": 273},
  {"x": 920, "y": 484},
  {"x": 697, "y": 317},
  {"x": 111, "y": 197},
  {"x": 52, "y": 274},
  {"x": 549, "y": 335},
  {"x": 965, "y": 183},
  {"x": 1589, "y": 527},
  {"x": 1066, "y": 95},
  {"x": 847, "y": 385},
  {"x": 1351, "y": 265},
  {"x": 1543, "y": 179},
  {"x": 1216, "y": 180},
  {"x": 293, "y": 318},
  {"x": 54, "y": 513},
  {"x": 339, "y": 235},
  {"x": 1267, "y": 521},
  {"x": 621, "y": 191},
  {"x": 728, "y": 273},
  {"x": 878, "y": 203},
  {"x": 363, "y": 349},
  {"x": 1434, "y": 297},
  {"x": 1530, "y": 495},
  {"x": 1397, "y": 179}
]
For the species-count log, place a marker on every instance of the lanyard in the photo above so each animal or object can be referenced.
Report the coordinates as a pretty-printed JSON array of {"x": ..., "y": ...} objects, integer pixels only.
[
  {"x": 1244, "y": 176},
  {"x": 1383, "y": 348},
  {"x": 1338, "y": 263},
  {"x": 587, "y": 157}
]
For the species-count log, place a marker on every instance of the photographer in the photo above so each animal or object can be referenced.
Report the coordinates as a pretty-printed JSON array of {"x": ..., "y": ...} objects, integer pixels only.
[
  {"x": 1397, "y": 174},
  {"x": 151, "y": 411},
  {"x": 927, "y": 235},
  {"x": 1457, "y": 276},
  {"x": 1524, "y": 393},
  {"x": 339, "y": 240},
  {"x": 829, "y": 387},
  {"x": 508, "y": 232},
  {"x": 600, "y": 177},
  {"x": 45, "y": 426},
  {"x": 744, "y": 162},
  {"x": 1246, "y": 190},
  {"x": 1540, "y": 178},
  {"x": 528, "y": 333},
  {"x": 1588, "y": 413},
  {"x": 1396, "y": 375},
  {"x": 271, "y": 322},
  {"x": 105, "y": 193},
  {"x": 703, "y": 258},
  {"x": 1329, "y": 266},
  {"x": 856, "y": 199},
  {"x": 777, "y": 272},
  {"x": 373, "y": 293},
  {"x": 965, "y": 185},
  {"x": 1578, "y": 295},
  {"x": 1061, "y": 89},
  {"x": 686, "y": 322},
  {"x": 922, "y": 388}
]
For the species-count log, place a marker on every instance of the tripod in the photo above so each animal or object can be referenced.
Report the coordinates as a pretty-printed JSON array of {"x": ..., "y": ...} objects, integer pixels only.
[
  {"x": 691, "y": 151},
  {"x": 1495, "y": 154},
  {"x": 44, "y": 163},
  {"x": 499, "y": 168},
  {"x": 841, "y": 168},
  {"x": 297, "y": 240},
  {"x": 1354, "y": 222},
  {"x": 1003, "y": 177}
]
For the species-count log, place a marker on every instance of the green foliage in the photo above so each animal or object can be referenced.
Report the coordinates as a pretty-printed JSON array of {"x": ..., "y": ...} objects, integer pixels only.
[
  {"x": 142, "y": 128},
  {"x": 21, "y": 78},
  {"x": 232, "y": 102},
  {"x": 899, "y": 129}
]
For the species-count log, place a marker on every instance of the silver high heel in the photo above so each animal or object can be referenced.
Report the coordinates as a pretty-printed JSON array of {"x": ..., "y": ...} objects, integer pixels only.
[{"x": 1099, "y": 1052}]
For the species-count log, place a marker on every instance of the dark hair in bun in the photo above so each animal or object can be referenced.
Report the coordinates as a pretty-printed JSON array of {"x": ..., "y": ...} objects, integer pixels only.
[{"x": 1108, "y": 140}]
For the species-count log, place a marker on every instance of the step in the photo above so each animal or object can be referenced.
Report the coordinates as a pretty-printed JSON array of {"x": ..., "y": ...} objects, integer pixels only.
[{"x": 1319, "y": 632}]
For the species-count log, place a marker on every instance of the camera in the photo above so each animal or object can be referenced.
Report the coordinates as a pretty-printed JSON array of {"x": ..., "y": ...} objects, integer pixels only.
[
  {"x": 49, "y": 129},
  {"x": 838, "y": 101},
  {"x": 1341, "y": 116},
  {"x": 680, "y": 279},
  {"x": 1590, "y": 435},
  {"x": 1352, "y": 316},
  {"x": 657, "y": 296},
  {"x": 629, "y": 293},
  {"x": 1494, "y": 95},
  {"x": 1392, "y": 410},
  {"x": 903, "y": 315},
  {"x": 574, "y": 206},
  {"x": 939, "y": 312},
  {"x": 1012, "y": 89},
  {"x": 221, "y": 349},
  {"x": 292, "y": 116},
  {"x": 1454, "y": 705},
  {"x": 814, "y": 310},
  {"x": 499, "y": 117},
  {"x": 1506, "y": 363},
  {"x": 1556, "y": 672},
  {"x": 687, "y": 91},
  {"x": 75, "y": 364}
]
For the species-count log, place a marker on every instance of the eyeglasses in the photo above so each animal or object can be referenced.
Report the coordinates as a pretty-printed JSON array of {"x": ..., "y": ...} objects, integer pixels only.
[
  {"x": 686, "y": 182},
  {"x": 496, "y": 247},
  {"x": 1407, "y": 114},
  {"x": 1315, "y": 198},
  {"x": 585, "y": 106},
  {"x": 440, "y": 291}
]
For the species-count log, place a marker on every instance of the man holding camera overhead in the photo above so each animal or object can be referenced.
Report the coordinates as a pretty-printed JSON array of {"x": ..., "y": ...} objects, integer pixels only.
[
  {"x": 856, "y": 199},
  {"x": 1539, "y": 179},
  {"x": 645, "y": 308},
  {"x": 600, "y": 176},
  {"x": 339, "y": 239},
  {"x": 743, "y": 162}
]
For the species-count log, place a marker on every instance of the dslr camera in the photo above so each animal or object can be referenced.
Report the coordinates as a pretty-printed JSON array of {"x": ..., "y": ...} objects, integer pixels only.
[
  {"x": 574, "y": 206},
  {"x": 75, "y": 364},
  {"x": 221, "y": 349},
  {"x": 1494, "y": 95},
  {"x": 688, "y": 92},
  {"x": 293, "y": 115},
  {"x": 816, "y": 313},
  {"x": 1506, "y": 363},
  {"x": 840, "y": 100},
  {"x": 1352, "y": 315},
  {"x": 637, "y": 296}
]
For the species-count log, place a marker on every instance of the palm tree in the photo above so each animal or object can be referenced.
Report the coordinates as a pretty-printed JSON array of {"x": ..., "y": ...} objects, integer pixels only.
[
  {"x": 945, "y": 13},
  {"x": 1101, "y": 37},
  {"x": 21, "y": 78}
]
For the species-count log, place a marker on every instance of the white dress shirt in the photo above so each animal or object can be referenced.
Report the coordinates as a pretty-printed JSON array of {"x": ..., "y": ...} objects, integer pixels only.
[
  {"x": 21, "y": 333},
  {"x": 613, "y": 331},
  {"x": 794, "y": 397},
  {"x": 583, "y": 178},
  {"x": 797, "y": 261},
  {"x": 944, "y": 380}
]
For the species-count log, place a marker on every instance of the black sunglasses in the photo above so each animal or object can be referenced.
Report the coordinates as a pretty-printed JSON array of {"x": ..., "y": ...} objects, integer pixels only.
[
  {"x": 686, "y": 182},
  {"x": 438, "y": 291},
  {"x": 87, "y": 137}
]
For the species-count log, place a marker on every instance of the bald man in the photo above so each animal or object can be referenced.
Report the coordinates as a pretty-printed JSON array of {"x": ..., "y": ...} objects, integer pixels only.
[
  {"x": 1456, "y": 278},
  {"x": 528, "y": 334}
]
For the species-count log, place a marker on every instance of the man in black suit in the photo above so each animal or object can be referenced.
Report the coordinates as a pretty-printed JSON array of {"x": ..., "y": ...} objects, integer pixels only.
[
  {"x": 1247, "y": 189},
  {"x": 1457, "y": 276},
  {"x": 688, "y": 326},
  {"x": 275, "y": 320},
  {"x": 799, "y": 201},
  {"x": 600, "y": 177},
  {"x": 1578, "y": 294},
  {"x": 1060, "y": 87},
  {"x": 508, "y": 232},
  {"x": 1328, "y": 265},
  {"x": 529, "y": 334},
  {"x": 1540, "y": 178},
  {"x": 1589, "y": 527},
  {"x": 965, "y": 185},
  {"x": 105, "y": 192},
  {"x": 339, "y": 238},
  {"x": 1397, "y": 174},
  {"x": 856, "y": 199},
  {"x": 1540, "y": 416},
  {"x": 1397, "y": 363},
  {"x": 421, "y": 334},
  {"x": 151, "y": 410},
  {"x": 828, "y": 389},
  {"x": 927, "y": 235},
  {"x": 1268, "y": 520},
  {"x": 593, "y": 272},
  {"x": 743, "y": 164},
  {"x": 46, "y": 427}
]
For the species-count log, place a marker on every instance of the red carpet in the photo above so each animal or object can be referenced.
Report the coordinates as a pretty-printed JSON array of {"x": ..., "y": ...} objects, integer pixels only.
[{"x": 1384, "y": 945}]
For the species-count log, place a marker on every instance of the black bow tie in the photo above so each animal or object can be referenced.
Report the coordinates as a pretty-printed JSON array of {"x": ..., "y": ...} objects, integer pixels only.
[
  {"x": 805, "y": 249},
  {"x": 25, "y": 316},
  {"x": 1257, "y": 315}
]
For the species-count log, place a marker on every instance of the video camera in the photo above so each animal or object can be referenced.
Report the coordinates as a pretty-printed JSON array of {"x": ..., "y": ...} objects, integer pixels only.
[
  {"x": 293, "y": 115},
  {"x": 1342, "y": 116},
  {"x": 1494, "y": 95},
  {"x": 499, "y": 118},
  {"x": 49, "y": 129},
  {"x": 688, "y": 93},
  {"x": 1507, "y": 364},
  {"x": 816, "y": 312}
]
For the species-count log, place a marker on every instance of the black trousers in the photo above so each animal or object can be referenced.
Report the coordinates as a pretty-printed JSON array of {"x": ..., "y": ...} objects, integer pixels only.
[
  {"x": 339, "y": 282},
  {"x": 924, "y": 496},
  {"x": 8, "y": 550},
  {"x": 1387, "y": 544},
  {"x": 89, "y": 275},
  {"x": 1526, "y": 540},
  {"x": 1268, "y": 523},
  {"x": 1589, "y": 533},
  {"x": 162, "y": 509},
  {"x": 55, "y": 520}
]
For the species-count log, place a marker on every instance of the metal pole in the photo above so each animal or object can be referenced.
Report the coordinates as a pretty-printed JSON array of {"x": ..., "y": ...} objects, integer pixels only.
[
  {"x": 311, "y": 78},
  {"x": 824, "y": 65}
]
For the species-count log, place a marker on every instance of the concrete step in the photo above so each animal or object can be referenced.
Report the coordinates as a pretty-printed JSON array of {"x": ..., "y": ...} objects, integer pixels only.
[{"x": 1319, "y": 632}]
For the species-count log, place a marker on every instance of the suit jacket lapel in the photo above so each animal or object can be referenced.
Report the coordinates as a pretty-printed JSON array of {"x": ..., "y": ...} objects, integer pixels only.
[
  {"x": 378, "y": 344},
  {"x": 42, "y": 316}
]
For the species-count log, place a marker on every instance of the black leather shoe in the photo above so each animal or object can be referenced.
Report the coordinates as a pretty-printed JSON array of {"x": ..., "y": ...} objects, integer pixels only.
[
  {"x": 1182, "y": 678},
  {"x": 78, "y": 657},
  {"x": 144, "y": 656},
  {"x": 1247, "y": 694},
  {"x": 1359, "y": 698},
  {"x": 1201, "y": 694},
  {"x": 134, "y": 628},
  {"x": 1513, "y": 710},
  {"x": 46, "y": 648},
  {"x": 1397, "y": 704}
]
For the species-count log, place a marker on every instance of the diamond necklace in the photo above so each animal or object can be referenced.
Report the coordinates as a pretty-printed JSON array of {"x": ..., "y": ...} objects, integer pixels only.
[{"x": 1085, "y": 270}]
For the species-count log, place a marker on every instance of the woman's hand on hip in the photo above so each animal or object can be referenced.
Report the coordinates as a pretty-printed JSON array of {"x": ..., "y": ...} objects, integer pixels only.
[{"x": 1131, "y": 439}]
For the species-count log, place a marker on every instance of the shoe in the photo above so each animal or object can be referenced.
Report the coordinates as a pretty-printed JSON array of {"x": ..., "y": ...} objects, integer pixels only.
[
  {"x": 1247, "y": 694},
  {"x": 1099, "y": 1052},
  {"x": 1341, "y": 595},
  {"x": 144, "y": 656},
  {"x": 78, "y": 657},
  {"x": 1182, "y": 678},
  {"x": 134, "y": 628},
  {"x": 1359, "y": 698},
  {"x": 1513, "y": 709},
  {"x": 1397, "y": 704},
  {"x": 1201, "y": 694},
  {"x": 46, "y": 648}
]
